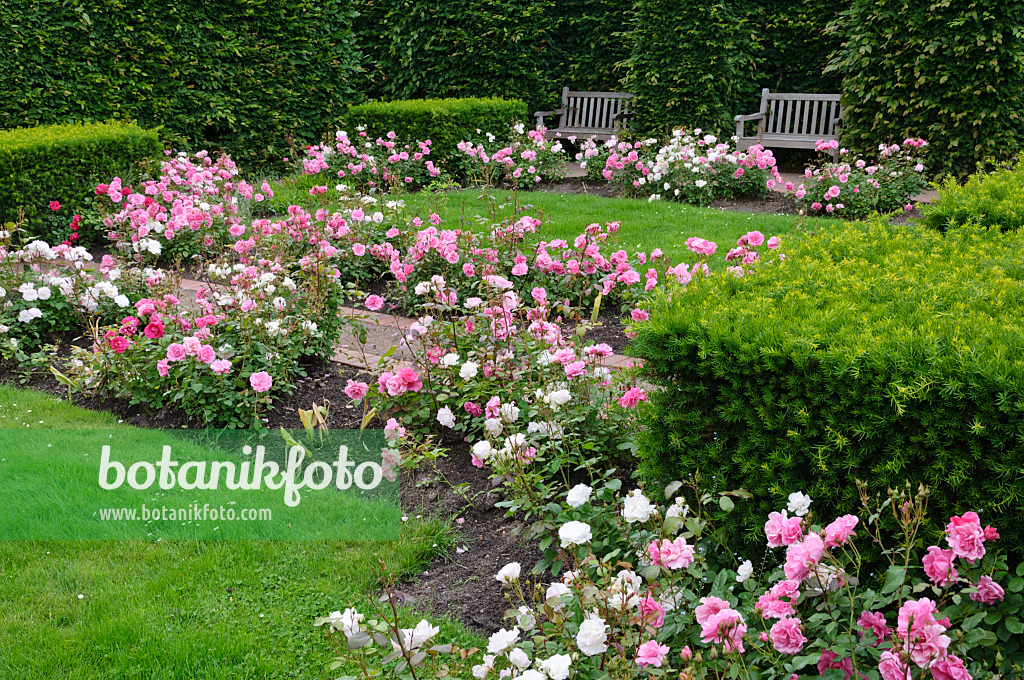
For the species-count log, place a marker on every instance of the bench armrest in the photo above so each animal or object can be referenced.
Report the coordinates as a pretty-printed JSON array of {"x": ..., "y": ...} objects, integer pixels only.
[
  {"x": 753, "y": 116},
  {"x": 540, "y": 115},
  {"x": 619, "y": 117}
]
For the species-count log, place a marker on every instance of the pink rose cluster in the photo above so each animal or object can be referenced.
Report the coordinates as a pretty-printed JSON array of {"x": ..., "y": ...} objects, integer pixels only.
[
  {"x": 720, "y": 623},
  {"x": 398, "y": 383},
  {"x": 677, "y": 554}
]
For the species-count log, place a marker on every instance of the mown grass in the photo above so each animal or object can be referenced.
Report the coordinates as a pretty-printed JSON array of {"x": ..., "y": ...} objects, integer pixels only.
[
  {"x": 133, "y": 610},
  {"x": 644, "y": 225}
]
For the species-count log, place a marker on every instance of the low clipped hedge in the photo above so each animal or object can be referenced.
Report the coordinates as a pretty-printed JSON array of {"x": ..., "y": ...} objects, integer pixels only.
[
  {"x": 63, "y": 163},
  {"x": 993, "y": 200},
  {"x": 874, "y": 352},
  {"x": 445, "y": 122}
]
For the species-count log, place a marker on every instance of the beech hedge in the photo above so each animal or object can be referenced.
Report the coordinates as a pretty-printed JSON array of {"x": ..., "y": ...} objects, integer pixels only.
[{"x": 882, "y": 353}]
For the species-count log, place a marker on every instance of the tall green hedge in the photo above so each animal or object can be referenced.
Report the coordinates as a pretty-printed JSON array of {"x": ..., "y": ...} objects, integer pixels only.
[
  {"x": 445, "y": 122},
  {"x": 874, "y": 352},
  {"x": 593, "y": 40},
  {"x": 243, "y": 75},
  {"x": 951, "y": 72},
  {"x": 694, "y": 63},
  {"x": 462, "y": 48},
  {"x": 63, "y": 163}
]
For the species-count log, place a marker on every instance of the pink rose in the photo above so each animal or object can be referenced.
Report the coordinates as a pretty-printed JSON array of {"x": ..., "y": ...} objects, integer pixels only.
[
  {"x": 950, "y": 668},
  {"x": 708, "y": 607},
  {"x": 374, "y": 302},
  {"x": 220, "y": 366},
  {"x": 782, "y": 530},
  {"x": 119, "y": 344},
  {"x": 651, "y": 612},
  {"x": 359, "y": 249},
  {"x": 802, "y": 557},
  {"x": 989, "y": 592},
  {"x": 787, "y": 636},
  {"x": 639, "y": 315},
  {"x": 207, "y": 354},
  {"x": 675, "y": 554},
  {"x": 154, "y": 329},
  {"x": 966, "y": 537},
  {"x": 651, "y": 654},
  {"x": 632, "y": 397},
  {"x": 771, "y": 604},
  {"x": 828, "y": 660},
  {"x": 938, "y": 565},
  {"x": 726, "y": 627},
  {"x": 890, "y": 667},
  {"x": 261, "y": 382},
  {"x": 755, "y": 238},
  {"x": 356, "y": 390},
  {"x": 874, "y": 623},
  {"x": 192, "y": 346},
  {"x": 161, "y": 368},
  {"x": 840, "y": 530},
  {"x": 175, "y": 351}
]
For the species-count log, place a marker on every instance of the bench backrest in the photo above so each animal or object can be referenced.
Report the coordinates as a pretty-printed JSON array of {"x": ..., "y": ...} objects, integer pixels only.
[
  {"x": 793, "y": 113},
  {"x": 592, "y": 110}
]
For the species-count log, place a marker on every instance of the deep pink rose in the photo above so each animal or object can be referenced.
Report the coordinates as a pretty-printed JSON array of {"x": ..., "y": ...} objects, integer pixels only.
[
  {"x": 261, "y": 382},
  {"x": 828, "y": 660},
  {"x": 874, "y": 622},
  {"x": 966, "y": 537},
  {"x": 839, "y": 531},
  {"x": 207, "y": 354},
  {"x": 938, "y": 565},
  {"x": 950, "y": 668},
  {"x": 787, "y": 636},
  {"x": 632, "y": 397},
  {"x": 652, "y": 612},
  {"x": 356, "y": 390},
  {"x": 154, "y": 329},
  {"x": 119, "y": 344},
  {"x": 54, "y": 206}
]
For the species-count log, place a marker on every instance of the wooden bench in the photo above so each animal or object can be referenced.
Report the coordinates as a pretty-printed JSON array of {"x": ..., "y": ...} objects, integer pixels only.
[
  {"x": 588, "y": 114},
  {"x": 792, "y": 120}
]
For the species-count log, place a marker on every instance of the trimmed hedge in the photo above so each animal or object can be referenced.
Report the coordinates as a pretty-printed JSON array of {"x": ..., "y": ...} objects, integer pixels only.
[
  {"x": 243, "y": 75},
  {"x": 462, "y": 48},
  {"x": 592, "y": 39},
  {"x": 874, "y": 352},
  {"x": 63, "y": 163},
  {"x": 445, "y": 122},
  {"x": 951, "y": 72},
  {"x": 694, "y": 63},
  {"x": 991, "y": 200}
]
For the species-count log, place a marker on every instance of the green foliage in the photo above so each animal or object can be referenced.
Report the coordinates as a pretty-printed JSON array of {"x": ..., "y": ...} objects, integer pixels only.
[
  {"x": 993, "y": 200},
  {"x": 445, "y": 122},
  {"x": 951, "y": 72},
  {"x": 243, "y": 75},
  {"x": 798, "y": 46},
  {"x": 873, "y": 352},
  {"x": 593, "y": 39},
  {"x": 693, "y": 63},
  {"x": 462, "y": 48},
  {"x": 63, "y": 163}
]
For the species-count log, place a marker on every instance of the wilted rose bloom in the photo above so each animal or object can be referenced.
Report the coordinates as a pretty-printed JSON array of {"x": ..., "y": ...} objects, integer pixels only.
[
  {"x": 989, "y": 592},
  {"x": 938, "y": 565},
  {"x": 651, "y": 612}
]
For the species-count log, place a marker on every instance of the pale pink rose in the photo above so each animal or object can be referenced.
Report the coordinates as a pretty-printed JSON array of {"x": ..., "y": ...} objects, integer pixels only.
[
  {"x": 261, "y": 382},
  {"x": 966, "y": 537},
  {"x": 890, "y": 667},
  {"x": 374, "y": 302},
  {"x": 989, "y": 592},
  {"x": 175, "y": 352},
  {"x": 220, "y": 366},
  {"x": 708, "y": 607},
  {"x": 161, "y": 368},
  {"x": 840, "y": 530},
  {"x": 675, "y": 554},
  {"x": 787, "y": 636},
  {"x": 192, "y": 346},
  {"x": 207, "y": 354},
  {"x": 356, "y": 390},
  {"x": 938, "y": 565},
  {"x": 651, "y": 654},
  {"x": 359, "y": 249},
  {"x": 782, "y": 530}
]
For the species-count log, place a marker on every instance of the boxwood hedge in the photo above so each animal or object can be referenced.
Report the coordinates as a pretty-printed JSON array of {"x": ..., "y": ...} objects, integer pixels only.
[{"x": 872, "y": 351}]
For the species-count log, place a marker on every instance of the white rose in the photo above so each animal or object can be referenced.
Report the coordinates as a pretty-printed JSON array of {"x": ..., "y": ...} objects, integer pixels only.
[
  {"x": 592, "y": 638},
  {"x": 745, "y": 571},
  {"x": 574, "y": 533},
  {"x": 492, "y": 427},
  {"x": 558, "y": 398},
  {"x": 578, "y": 495},
  {"x": 450, "y": 359},
  {"x": 469, "y": 370},
  {"x": 557, "y": 667},
  {"x": 446, "y": 417},
  {"x": 348, "y": 623},
  {"x": 43, "y": 293},
  {"x": 502, "y": 640},
  {"x": 509, "y": 412},
  {"x": 481, "y": 670},
  {"x": 414, "y": 638},
  {"x": 508, "y": 573},
  {"x": 555, "y": 591},
  {"x": 121, "y": 301},
  {"x": 482, "y": 450},
  {"x": 636, "y": 507},
  {"x": 518, "y": 658},
  {"x": 799, "y": 503},
  {"x": 530, "y": 675},
  {"x": 525, "y": 618}
]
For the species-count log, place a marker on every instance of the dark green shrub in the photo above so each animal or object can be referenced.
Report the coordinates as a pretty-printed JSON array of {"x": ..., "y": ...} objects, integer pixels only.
[
  {"x": 992, "y": 200},
  {"x": 462, "y": 48},
  {"x": 64, "y": 163},
  {"x": 445, "y": 122},
  {"x": 243, "y": 75},
  {"x": 797, "y": 46},
  {"x": 874, "y": 352},
  {"x": 951, "y": 72},
  {"x": 693, "y": 63},
  {"x": 592, "y": 39}
]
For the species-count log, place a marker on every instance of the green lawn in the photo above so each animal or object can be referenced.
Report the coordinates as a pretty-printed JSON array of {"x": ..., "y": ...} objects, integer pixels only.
[
  {"x": 175, "y": 610},
  {"x": 644, "y": 226}
]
